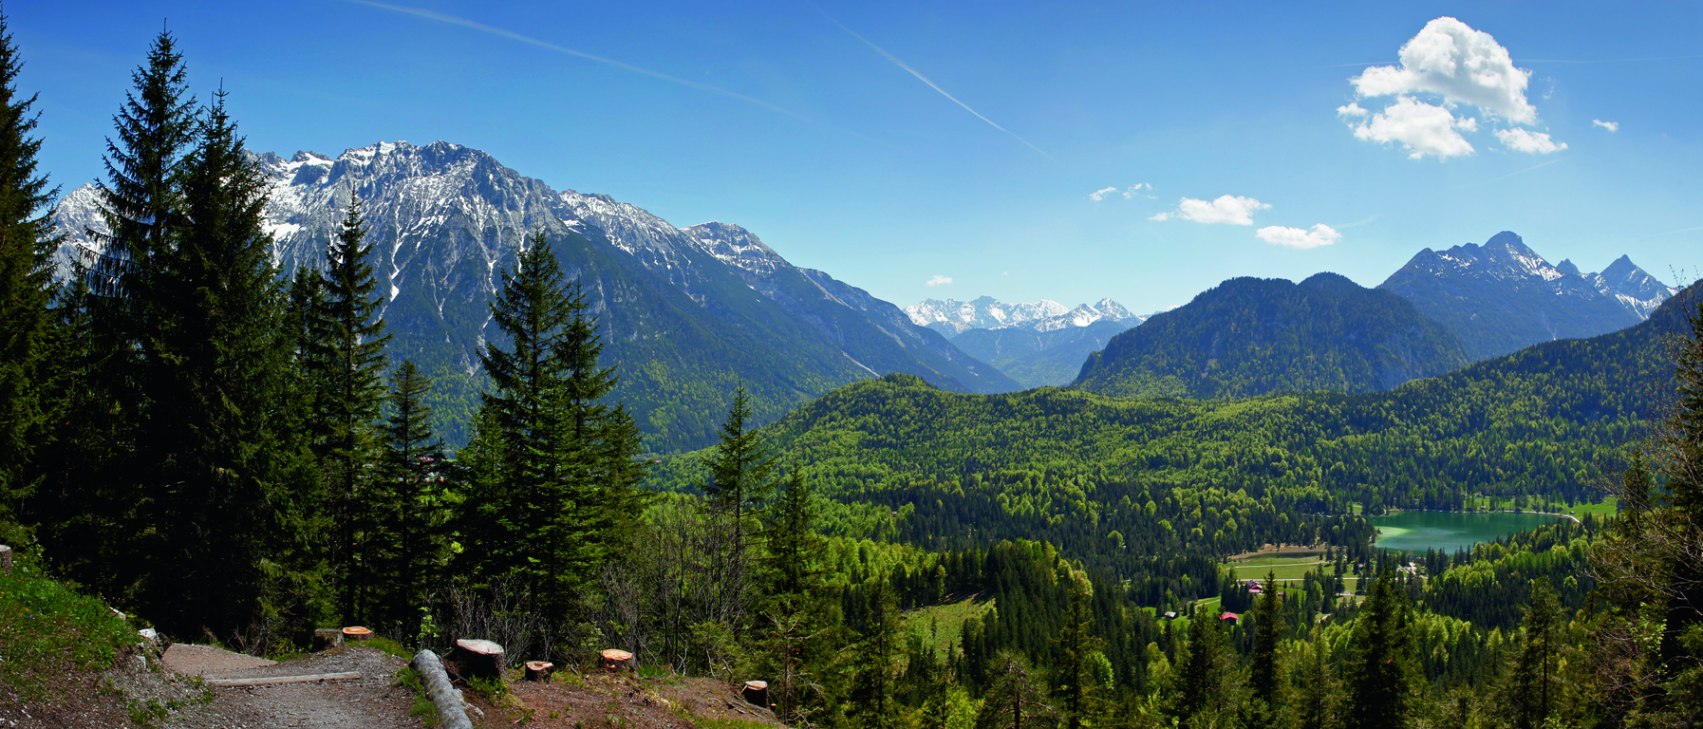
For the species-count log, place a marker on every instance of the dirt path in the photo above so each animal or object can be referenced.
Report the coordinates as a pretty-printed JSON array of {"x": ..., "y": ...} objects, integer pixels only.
[{"x": 373, "y": 700}]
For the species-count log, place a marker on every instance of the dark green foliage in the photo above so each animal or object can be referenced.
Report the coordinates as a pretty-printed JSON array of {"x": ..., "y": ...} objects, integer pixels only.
[
  {"x": 1264, "y": 668},
  {"x": 1532, "y": 688},
  {"x": 407, "y": 537},
  {"x": 1382, "y": 672},
  {"x": 26, "y": 245},
  {"x": 551, "y": 465},
  {"x": 1262, "y": 336},
  {"x": 340, "y": 343},
  {"x": 873, "y": 700},
  {"x": 1205, "y": 682},
  {"x": 1016, "y": 698}
]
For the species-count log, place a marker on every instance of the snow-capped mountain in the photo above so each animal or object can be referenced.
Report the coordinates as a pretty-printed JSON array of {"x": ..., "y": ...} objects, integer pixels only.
[
  {"x": 1503, "y": 296},
  {"x": 688, "y": 314},
  {"x": 952, "y": 317}
]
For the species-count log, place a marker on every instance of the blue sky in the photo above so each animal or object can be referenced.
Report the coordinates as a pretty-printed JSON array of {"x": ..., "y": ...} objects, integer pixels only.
[{"x": 895, "y": 144}]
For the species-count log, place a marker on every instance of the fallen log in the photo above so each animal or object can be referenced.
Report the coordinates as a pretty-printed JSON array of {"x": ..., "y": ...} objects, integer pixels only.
[
  {"x": 539, "y": 670},
  {"x": 448, "y": 701},
  {"x": 474, "y": 658},
  {"x": 269, "y": 680}
]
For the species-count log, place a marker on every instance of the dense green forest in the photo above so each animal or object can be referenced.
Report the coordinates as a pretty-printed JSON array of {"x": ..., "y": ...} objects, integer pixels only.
[
  {"x": 227, "y": 453},
  {"x": 1250, "y": 336}
]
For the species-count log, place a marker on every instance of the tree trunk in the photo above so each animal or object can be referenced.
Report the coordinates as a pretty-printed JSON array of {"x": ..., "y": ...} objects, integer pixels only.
[
  {"x": 327, "y": 638},
  {"x": 756, "y": 692},
  {"x": 357, "y": 632},
  {"x": 473, "y": 658},
  {"x": 539, "y": 670},
  {"x": 616, "y": 659}
]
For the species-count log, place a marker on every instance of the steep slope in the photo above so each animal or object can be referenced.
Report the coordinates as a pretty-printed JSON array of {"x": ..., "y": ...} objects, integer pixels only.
[
  {"x": 1040, "y": 358},
  {"x": 686, "y": 318},
  {"x": 1502, "y": 296},
  {"x": 1258, "y": 336}
]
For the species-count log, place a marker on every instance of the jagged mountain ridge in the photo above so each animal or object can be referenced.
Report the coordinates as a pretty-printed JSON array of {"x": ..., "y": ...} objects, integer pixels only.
[
  {"x": 952, "y": 317},
  {"x": 1502, "y": 296},
  {"x": 1040, "y": 358},
  {"x": 1251, "y": 336},
  {"x": 688, "y": 314}
]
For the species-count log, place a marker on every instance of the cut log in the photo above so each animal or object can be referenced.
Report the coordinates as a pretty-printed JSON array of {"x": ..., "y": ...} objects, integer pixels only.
[
  {"x": 448, "y": 701},
  {"x": 474, "y": 658},
  {"x": 616, "y": 659},
  {"x": 270, "y": 680},
  {"x": 756, "y": 692},
  {"x": 357, "y": 632},
  {"x": 539, "y": 670},
  {"x": 5, "y": 558},
  {"x": 327, "y": 638}
]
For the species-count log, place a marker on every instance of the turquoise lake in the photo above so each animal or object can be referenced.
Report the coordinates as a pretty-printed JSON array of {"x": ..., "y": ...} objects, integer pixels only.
[{"x": 1416, "y": 531}]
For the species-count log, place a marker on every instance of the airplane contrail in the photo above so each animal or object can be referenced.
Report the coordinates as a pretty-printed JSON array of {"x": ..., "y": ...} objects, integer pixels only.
[
  {"x": 931, "y": 84},
  {"x": 594, "y": 58}
]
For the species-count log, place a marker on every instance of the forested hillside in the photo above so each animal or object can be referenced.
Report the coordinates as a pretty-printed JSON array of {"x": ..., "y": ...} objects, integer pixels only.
[{"x": 1250, "y": 337}]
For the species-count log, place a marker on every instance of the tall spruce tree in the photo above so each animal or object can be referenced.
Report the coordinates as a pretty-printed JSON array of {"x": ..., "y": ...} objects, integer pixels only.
[
  {"x": 1202, "y": 677},
  {"x": 1530, "y": 688},
  {"x": 1384, "y": 666},
  {"x": 741, "y": 481},
  {"x": 217, "y": 353},
  {"x": 408, "y": 538},
  {"x": 26, "y": 288},
  {"x": 349, "y": 407},
  {"x": 555, "y": 480},
  {"x": 1265, "y": 675}
]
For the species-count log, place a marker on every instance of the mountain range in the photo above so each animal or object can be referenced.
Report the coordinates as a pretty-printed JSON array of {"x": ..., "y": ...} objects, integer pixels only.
[
  {"x": 688, "y": 314},
  {"x": 1501, "y": 296},
  {"x": 1037, "y": 343}
]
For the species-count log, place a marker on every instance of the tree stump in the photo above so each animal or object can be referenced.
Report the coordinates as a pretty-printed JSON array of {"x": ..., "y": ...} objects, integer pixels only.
[
  {"x": 539, "y": 670},
  {"x": 5, "y": 558},
  {"x": 357, "y": 632},
  {"x": 326, "y": 638},
  {"x": 474, "y": 658},
  {"x": 756, "y": 693},
  {"x": 616, "y": 659}
]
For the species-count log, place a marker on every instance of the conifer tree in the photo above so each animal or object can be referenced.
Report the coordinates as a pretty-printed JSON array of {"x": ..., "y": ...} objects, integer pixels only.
[
  {"x": 349, "y": 405},
  {"x": 1073, "y": 683},
  {"x": 1384, "y": 667},
  {"x": 741, "y": 480},
  {"x": 217, "y": 354},
  {"x": 102, "y": 498},
  {"x": 26, "y": 288},
  {"x": 1015, "y": 699},
  {"x": 1201, "y": 679},
  {"x": 1265, "y": 673},
  {"x": 555, "y": 476},
  {"x": 1530, "y": 689},
  {"x": 408, "y": 537},
  {"x": 872, "y": 697}
]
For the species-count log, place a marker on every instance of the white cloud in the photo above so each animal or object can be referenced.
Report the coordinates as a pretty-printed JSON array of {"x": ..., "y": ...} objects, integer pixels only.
[
  {"x": 1128, "y": 193},
  {"x": 1319, "y": 236},
  {"x": 1422, "y": 129},
  {"x": 938, "y": 280},
  {"x": 1463, "y": 65},
  {"x": 1226, "y": 209},
  {"x": 1611, "y": 126},
  {"x": 1446, "y": 72},
  {"x": 1530, "y": 142},
  {"x": 1159, "y": 217}
]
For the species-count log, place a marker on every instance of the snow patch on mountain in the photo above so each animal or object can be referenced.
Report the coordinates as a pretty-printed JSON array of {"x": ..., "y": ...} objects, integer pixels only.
[{"x": 952, "y": 317}]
